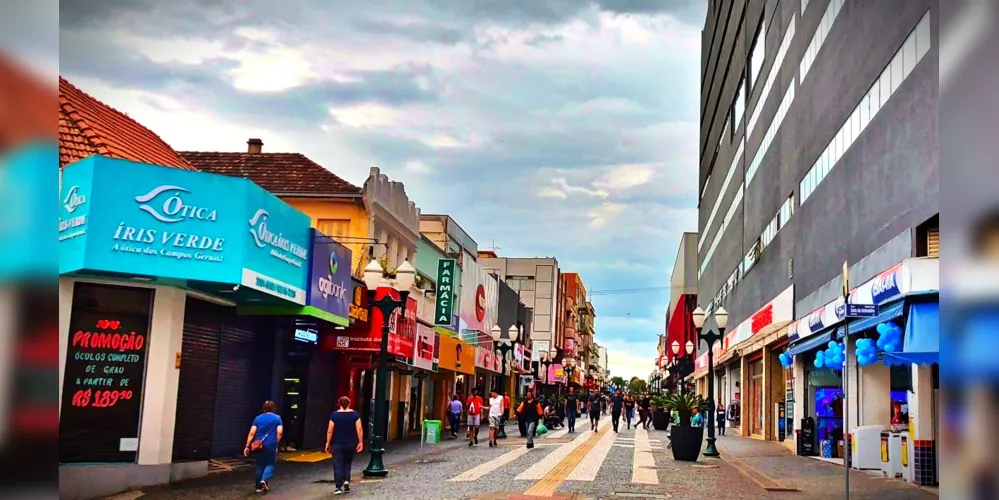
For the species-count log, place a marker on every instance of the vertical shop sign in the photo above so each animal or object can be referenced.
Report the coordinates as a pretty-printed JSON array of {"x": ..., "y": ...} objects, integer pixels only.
[
  {"x": 444, "y": 303},
  {"x": 102, "y": 395}
]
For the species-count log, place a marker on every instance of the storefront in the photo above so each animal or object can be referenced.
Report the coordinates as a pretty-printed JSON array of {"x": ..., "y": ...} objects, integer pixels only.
[
  {"x": 887, "y": 393},
  {"x": 157, "y": 369},
  {"x": 458, "y": 357},
  {"x": 426, "y": 348}
]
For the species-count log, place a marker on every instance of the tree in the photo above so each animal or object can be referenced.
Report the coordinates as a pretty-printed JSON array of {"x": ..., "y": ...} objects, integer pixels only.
[
  {"x": 618, "y": 382},
  {"x": 637, "y": 386}
]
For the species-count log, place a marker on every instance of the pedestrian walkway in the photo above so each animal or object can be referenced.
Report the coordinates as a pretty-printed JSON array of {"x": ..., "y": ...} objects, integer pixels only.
[{"x": 773, "y": 467}]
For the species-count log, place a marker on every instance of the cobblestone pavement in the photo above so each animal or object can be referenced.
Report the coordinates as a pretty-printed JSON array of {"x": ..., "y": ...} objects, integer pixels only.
[{"x": 632, "y": 464}]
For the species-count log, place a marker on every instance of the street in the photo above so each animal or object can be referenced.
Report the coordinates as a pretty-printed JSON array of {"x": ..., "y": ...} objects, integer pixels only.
[{"x": 629, "y": 464}]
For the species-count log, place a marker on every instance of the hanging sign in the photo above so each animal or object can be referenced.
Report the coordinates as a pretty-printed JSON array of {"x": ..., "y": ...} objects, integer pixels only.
[{"x": 444, "y": 301}]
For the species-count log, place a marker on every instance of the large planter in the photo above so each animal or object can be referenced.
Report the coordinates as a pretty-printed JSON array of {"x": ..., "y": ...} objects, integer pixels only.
[
  {"x": 686, "y": 442},
  {"x": 660, "y": 420}
]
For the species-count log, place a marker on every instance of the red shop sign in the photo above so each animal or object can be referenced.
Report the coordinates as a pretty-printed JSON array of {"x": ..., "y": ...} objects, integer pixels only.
[{"x": 763, "y": 318}]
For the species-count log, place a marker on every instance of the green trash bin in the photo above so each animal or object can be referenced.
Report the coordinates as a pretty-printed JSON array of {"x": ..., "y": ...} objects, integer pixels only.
[{"x": 432, "y": 431}]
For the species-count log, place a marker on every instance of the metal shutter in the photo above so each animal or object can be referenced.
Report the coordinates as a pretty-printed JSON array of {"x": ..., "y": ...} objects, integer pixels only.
[
  {"x": 238, "y": 400},
  {"x": 197, "y": 386},
  {"x": 320, "y": 400},
  {"x": 933, "y": 242}
]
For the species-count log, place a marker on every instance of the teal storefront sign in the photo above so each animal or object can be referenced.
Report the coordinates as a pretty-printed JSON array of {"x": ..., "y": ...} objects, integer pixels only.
[{"x": 218, "y": 234}]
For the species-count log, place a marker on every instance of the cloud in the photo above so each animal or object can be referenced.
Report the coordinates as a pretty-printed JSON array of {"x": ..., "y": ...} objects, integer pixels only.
[{"x": 563, "y": 127}]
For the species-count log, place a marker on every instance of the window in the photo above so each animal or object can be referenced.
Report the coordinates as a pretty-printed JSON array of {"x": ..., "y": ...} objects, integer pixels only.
[
  {"x": 521, "y": 283},
  {"x": 721, "y": 195},
  {"x": 757, "y": 55},
  {"x": 739, "y": 106},
  {"x": 825, "y": 25},
  {"x": 768, "y": 138},
  {"x": 771, "y": 77},
  {"x": 877, "y": 96},
  {"x": 338, "y": 229}
]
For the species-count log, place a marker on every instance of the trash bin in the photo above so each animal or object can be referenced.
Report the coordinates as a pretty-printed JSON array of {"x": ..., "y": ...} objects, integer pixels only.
[{"x": 432, "y": 431}]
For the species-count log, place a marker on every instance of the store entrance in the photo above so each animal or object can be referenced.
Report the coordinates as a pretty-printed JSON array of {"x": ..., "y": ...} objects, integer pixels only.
[
  {"x": 756, "y": 398},
  {"x": 294, "y": 388}
]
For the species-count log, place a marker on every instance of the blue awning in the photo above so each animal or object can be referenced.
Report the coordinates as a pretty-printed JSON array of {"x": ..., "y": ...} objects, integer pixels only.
[
  {"x": 922, "y": 337},
  {"x": 889, "y": 312},
  {"x": 810, "y": 342}
]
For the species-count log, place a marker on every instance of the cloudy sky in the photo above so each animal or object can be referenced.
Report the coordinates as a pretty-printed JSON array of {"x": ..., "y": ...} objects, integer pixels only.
[{"x": 552, "y": 128}]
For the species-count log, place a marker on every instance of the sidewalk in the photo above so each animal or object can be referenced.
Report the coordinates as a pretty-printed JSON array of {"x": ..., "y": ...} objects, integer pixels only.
[{"x": 772, "y": 466}]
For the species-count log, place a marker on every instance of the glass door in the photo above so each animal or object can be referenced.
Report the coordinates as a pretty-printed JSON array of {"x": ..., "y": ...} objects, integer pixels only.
[{"x": 756, "y": 398}]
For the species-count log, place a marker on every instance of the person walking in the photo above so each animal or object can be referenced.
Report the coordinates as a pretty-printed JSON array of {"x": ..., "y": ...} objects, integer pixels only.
[
  {"x": 495, "y": 416},
  {"x": 596, "y": 400},
  {"x": 454, "y": 415},
  {"x": 720, "y": 417},
  {"x": 629, "y": 409},
  {"x": 571, "y": 409},
  {"x": 344, "y": 438},
  {"x": 262, "y": 441},
  {"x": 645, "y": 407},
  {"x": 530, "y": 412},
  {"x": 474, "y": 413},
  {"x": 617, "y": 406}
]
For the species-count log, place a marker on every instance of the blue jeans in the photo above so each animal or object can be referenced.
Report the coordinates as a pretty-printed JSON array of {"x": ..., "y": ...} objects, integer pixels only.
[
  {"x": 531, "y": 428},
  {"x": 343, "y": 456},
  {"x": 266, "y": 457},
  {"x": 455, "y": 421},
  {"x": 571, "y": 415}
]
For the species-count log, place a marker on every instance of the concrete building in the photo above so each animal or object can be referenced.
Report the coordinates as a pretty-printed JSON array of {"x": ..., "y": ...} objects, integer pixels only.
[
  {"x": 537, "y": 281},
  {"x": 818, "y": 146}
]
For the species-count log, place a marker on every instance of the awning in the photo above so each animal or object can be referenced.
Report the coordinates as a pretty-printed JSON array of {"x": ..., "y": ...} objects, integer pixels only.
[
  {"x": 922, "y": 337},
  {"x": 811, "y": 342},
  {"x": 889, "y": 312}
]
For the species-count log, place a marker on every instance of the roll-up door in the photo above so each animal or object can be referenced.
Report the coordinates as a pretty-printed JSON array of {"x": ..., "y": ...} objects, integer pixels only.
[
  {"x": 197, "y": 386},
  {"x": 243, "y": 382},
  {"x": 320, "y": 402}
]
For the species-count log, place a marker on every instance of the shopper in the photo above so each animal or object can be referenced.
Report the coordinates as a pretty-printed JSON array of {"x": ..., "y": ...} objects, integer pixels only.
[
  {"x": 596, "y": 400},
  {"x": 572, "y": 408},
  {"x": 344, "y": 437},
  {"x": 646, "y": 411},
  {"x": 617, "y": 405},
  {"x": 474, "y": 414},
  {"x": 629, "y": 409},
  {"x": 530, "y": 412},
  {"x": 720, "y": 417},
  {"x": 262, "y": 441},
  {"x": 454, "y": 415},
  {"x": 495, "y": 416}
]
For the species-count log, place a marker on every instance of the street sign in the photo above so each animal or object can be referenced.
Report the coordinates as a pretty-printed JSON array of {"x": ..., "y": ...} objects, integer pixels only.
[
  {"x": 443, "y": 305},
  {"x": 861, "y": 310}
]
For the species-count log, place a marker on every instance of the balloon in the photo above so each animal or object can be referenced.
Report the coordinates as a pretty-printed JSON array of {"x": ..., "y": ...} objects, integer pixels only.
[
  {"x": 820, "y": 354},
  {"x": 832, "y": 343},
  {"x": 818, "y": 363},
  {"x": 883, "y": 328},
  {"x": 891, "y": 347}
]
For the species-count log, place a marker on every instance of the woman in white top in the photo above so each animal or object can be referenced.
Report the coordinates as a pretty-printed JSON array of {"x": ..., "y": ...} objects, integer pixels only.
[{"x": 495, "y": 415}]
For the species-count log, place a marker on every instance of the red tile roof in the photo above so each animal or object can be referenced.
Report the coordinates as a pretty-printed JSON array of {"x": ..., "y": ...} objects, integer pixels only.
[
  {"x": 279, "y": 173},
  {"x": 88, "y": 127},
  {"x": 26, "y": 102}
]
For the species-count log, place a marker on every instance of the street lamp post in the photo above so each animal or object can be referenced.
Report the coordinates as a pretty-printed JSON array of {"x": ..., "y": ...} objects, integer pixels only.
[
  {"x": 504, "y": 345},
  {"x": 710, "y": 337},
  {"x": 374, "y": 278},
  {"x": 683, "y": 365}
]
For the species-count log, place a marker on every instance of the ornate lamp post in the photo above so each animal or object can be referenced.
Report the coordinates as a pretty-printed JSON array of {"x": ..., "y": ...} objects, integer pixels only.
[
  {"x": 504, "y": 345},
  {"x": 682, "y": 365},
  {"x": 710, "y": 337},
  {"x": 374, "y": 278}
]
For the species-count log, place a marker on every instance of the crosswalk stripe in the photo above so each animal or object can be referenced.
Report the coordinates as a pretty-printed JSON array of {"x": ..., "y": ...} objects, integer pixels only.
[
  {"x": 557, "y": 434},
  {"x": 538, "y": 470},
  {"x": 643, "y": 464},
  {"x": 476, "y": 473},
  {"x": 586, "y": 469}
]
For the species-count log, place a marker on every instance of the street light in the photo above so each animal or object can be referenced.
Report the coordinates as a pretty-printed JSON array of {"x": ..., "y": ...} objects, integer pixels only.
[
  {"x": 374, "y": 278},
  {"x": 504, "y": 344},
  {"x": 710, "y": 337}
]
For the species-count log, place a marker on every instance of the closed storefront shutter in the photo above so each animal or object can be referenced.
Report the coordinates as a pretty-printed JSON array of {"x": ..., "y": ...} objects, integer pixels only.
[
  {"x": 237, "y": 401},
  {"x": 197, "y": 386},
  {"x": 321, "y": 400},
  {"x": 933, "y": 242}
]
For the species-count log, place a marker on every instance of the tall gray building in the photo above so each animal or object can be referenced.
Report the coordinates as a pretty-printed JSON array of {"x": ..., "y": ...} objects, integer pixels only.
[
  {"x": 537, "y": 281},
  {"x": 818, "y": 145}
]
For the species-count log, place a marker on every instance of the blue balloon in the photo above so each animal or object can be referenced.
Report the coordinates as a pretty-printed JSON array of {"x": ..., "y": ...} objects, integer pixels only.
[
  {"x": 818, "y": 363},
  {"x": 820, "y": 354},
  {"x": 891, "y": 347},
  {"x": 883, "y": 328},
  {"x": 832, "y": 343}
]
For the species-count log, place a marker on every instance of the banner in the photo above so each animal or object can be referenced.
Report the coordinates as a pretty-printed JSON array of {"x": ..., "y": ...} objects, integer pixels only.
[
  {"x": 423, "y": 348},
  {"x": 479, "y": 298},
  {"x": 456, "y": 355},
  {"x": 444, "y": 301},
  {"x": 486, "y": 359}
]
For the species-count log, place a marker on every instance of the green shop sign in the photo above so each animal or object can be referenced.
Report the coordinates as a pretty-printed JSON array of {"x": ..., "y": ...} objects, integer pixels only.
[{"x": 444, "y": 305}]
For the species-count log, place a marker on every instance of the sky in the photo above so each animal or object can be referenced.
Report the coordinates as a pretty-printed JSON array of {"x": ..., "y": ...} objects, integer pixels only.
[{"x": 560, "y": 128}]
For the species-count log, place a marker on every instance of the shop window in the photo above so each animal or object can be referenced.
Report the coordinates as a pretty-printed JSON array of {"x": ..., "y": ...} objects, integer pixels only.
[{"x": 104, "y": 374}]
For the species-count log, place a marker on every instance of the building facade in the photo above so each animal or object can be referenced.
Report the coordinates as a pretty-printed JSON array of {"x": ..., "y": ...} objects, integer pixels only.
[{"x": 812, "y": 112}]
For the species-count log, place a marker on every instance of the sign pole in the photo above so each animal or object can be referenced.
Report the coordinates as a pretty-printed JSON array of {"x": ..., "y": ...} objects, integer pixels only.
[{"x": 846, "y": 386}]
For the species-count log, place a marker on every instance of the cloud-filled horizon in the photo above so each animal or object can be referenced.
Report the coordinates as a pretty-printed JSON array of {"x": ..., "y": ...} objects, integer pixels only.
[{"x": 561, "y": 128}]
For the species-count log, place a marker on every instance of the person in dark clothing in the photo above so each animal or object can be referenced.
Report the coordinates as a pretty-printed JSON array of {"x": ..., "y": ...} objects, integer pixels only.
[
  {"x": 720, "y": 417},
  {"x": 572, "y": 408},
  {"x": 629, "y": 409},
  {"x": 595, "y": 401},
  {"x": 530, "y": 412},
  {"x": 344, "y": 438},
  {"x": 617, "y": 405},
  {"x": 645, "y": 411}
]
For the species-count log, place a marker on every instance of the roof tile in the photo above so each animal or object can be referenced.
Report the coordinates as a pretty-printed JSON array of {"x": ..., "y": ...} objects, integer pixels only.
[
  {"x": 88, "y": 127},
  {"x": 279, "y": 173}
]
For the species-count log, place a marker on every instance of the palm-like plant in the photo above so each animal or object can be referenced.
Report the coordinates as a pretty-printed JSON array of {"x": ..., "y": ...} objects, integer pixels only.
[{"x": 684, "y": 404}]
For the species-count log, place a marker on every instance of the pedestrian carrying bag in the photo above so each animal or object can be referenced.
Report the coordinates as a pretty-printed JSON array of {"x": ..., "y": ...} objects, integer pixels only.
[{"x": 258, "y": 444}]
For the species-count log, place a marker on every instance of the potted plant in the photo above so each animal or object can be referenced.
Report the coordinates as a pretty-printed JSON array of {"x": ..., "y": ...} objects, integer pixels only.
[
  {"x": 661, "y": 413},
  {"x": 685, "y": 439}
]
